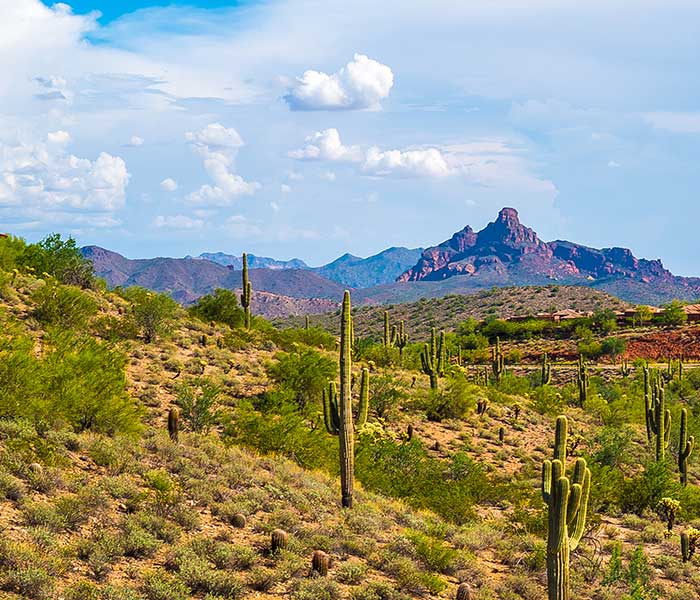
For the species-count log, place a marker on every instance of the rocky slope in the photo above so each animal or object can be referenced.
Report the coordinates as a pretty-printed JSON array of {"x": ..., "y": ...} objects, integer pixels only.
[{"x": 379, "y": 269}]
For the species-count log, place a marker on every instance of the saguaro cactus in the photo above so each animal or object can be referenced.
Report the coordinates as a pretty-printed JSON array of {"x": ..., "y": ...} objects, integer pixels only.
[
  {"x": 546, "y": 370},
  {"x": 685, "y": 447},
  {"x": 307, "y": 323},
  {"x": 401, "y": 339},
  {"x": 648, "y": 403},
  {"x": 432, "y": 357},
  {"x": 659, "y": 419},
  {"x": 247, "y": 292},
  {"x": 498, "y": 365},
  {"x": 337, "y": 409},
  {"x": 567, "y": 502},
  {"x": 582, "y": 381},
  {"x": 387, "y": 331}
]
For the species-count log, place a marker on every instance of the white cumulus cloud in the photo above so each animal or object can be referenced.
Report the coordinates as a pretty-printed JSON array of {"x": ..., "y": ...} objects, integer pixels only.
[
  {"x": 327, "y": 146},
  {"x": 135, "y": 141},
  {"x": 218, "y": 146},
  {"x": 168, "y": 184},
  {"x": 361, "y": 84},
  {"x": 43, "y": 181}
]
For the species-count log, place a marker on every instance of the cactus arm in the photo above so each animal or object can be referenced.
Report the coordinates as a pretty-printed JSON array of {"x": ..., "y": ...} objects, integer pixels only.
[
  {"x": 364, "y": 399},
  {"x": 546, "y": 480},
  {"x": 579, "y": 523}
]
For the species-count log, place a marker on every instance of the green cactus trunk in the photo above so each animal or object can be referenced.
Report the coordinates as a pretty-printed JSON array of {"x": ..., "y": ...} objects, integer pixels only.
[
  {"x": 337, "y": 408},
  {"x": 582, "y": 381},
  {"x": 401, "y": 339},
  {"x": 659, "y": 418},
  {"x": 387, "y": 330},
  {"x": 247, "y": 292},
  {"x": 685, "y": 447},
  {"x": 567, "y": 503},
  {"x": 498, "y": 365},
  {"x": 432, "y": 358},
  {"x": 345, "y": 433},
  {"x": 546, "y": 370}
]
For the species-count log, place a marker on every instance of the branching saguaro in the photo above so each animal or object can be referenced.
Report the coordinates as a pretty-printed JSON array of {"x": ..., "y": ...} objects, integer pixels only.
[
  {"x": 685, "y": 447},
  {"x": 337, "y": 408},
  {"x": 658, "y": 418},
  {"x": 432, "y": 358},
  {"x": 567, "y": 503},
  {"x": 401, "y": 339},
  {"x": 247, "y": 292}
]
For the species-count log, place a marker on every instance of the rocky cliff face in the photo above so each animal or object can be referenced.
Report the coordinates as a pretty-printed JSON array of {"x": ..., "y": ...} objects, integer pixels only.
[{"x": 507, "y": 252}]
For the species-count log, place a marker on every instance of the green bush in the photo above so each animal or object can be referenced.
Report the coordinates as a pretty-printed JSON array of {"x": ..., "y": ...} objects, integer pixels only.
[
  {"x": 198, "y": 402},
  {"x": 153, "y": 313},
  {"x": 60, "y": 259},
  {"x": 77, "y": 380},
  {"x": 220, "y": 307},
  {"x": 304, "y": 372},
  {"x": 452, "y": 401},
  {"x": 64, "y": 306}
]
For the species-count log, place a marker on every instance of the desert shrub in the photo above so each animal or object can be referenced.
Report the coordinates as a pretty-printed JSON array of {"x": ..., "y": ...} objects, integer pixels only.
[
  {"x": 288, "y": 339},
  {"x": 220, "y": 307},
  {"x": 159, "y": 585},
  {"x": 316, "y": 589},
  {"x": 11, "y": 249},
  {"x": 153, "y": 313},
  {"x": 198, "y": 402},
  {"x": 452, "y": 401},
  {"x": 548, "y": 400},
  {"x": 58, "y": 258},
  {"x": 283, "y": 430},
  {"x": 385, "y": 394},
  {"x": 65, "y": 306},
  {"x": 434, "y": 553},
  {"x": 77, "y": 380},
  {"x": 644, "y": 491},
  {"x": 304, "y": 372}
]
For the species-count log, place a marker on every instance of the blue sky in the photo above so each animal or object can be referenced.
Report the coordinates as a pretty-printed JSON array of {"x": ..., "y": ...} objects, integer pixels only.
[{"x": 311, "y": 128}]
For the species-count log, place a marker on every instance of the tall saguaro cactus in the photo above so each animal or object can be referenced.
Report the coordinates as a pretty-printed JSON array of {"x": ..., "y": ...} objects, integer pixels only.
[
  {"x": 337, "y": 409},
  {"x": 582, "y": 380},
  {"x": 432, "y": 357},
  {"x": 546, "y": 370},
  {"x": 567, "y": 503},
  {"x": 685, "y": 447},
  {"x": 247, "y": 292},
  {"x": 659, "y": 419},
  {"x": 401, "y": 339},
  {"x": 498, "y": 364},
  {"x": 648, "y": 403},
  {"x": 387, "y": 331}
]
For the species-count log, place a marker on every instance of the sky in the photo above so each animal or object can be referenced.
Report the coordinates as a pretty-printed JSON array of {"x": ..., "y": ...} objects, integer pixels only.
[{"x": 312, "y": 128}]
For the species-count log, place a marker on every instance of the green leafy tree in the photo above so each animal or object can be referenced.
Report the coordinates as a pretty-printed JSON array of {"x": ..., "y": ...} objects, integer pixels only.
[
  {"x": 613, "y": 347},
  {"x": 303, "y": 372},
  {"x": 643, "y": 314},
  {"x": 11, "y": 249},
  {"x": 59, "y": 258},
  {"x": 673, "y": 314},
  {"x": 220, "y": 307},
  {"x": 153, "y": 313},
  {"x": 198, "y": 402}
]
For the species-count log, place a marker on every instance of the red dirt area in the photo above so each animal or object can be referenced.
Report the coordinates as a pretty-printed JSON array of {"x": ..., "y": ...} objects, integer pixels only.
[{"x": 666, "y": 344}]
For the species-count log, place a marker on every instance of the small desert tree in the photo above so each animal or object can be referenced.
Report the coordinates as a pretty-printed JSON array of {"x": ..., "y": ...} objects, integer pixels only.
[{"x": 153, "y": 313}]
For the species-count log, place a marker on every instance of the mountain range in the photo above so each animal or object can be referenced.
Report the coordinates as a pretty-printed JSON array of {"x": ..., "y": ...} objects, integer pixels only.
[{"x": 504, "y": 253}]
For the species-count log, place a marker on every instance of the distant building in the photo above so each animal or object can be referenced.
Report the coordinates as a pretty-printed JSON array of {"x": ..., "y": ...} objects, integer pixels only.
[{"x": 693, "y": 312}]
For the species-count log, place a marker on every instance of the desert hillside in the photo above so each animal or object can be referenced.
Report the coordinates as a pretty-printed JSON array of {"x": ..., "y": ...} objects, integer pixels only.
[{"x": 148, "y": 452}]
